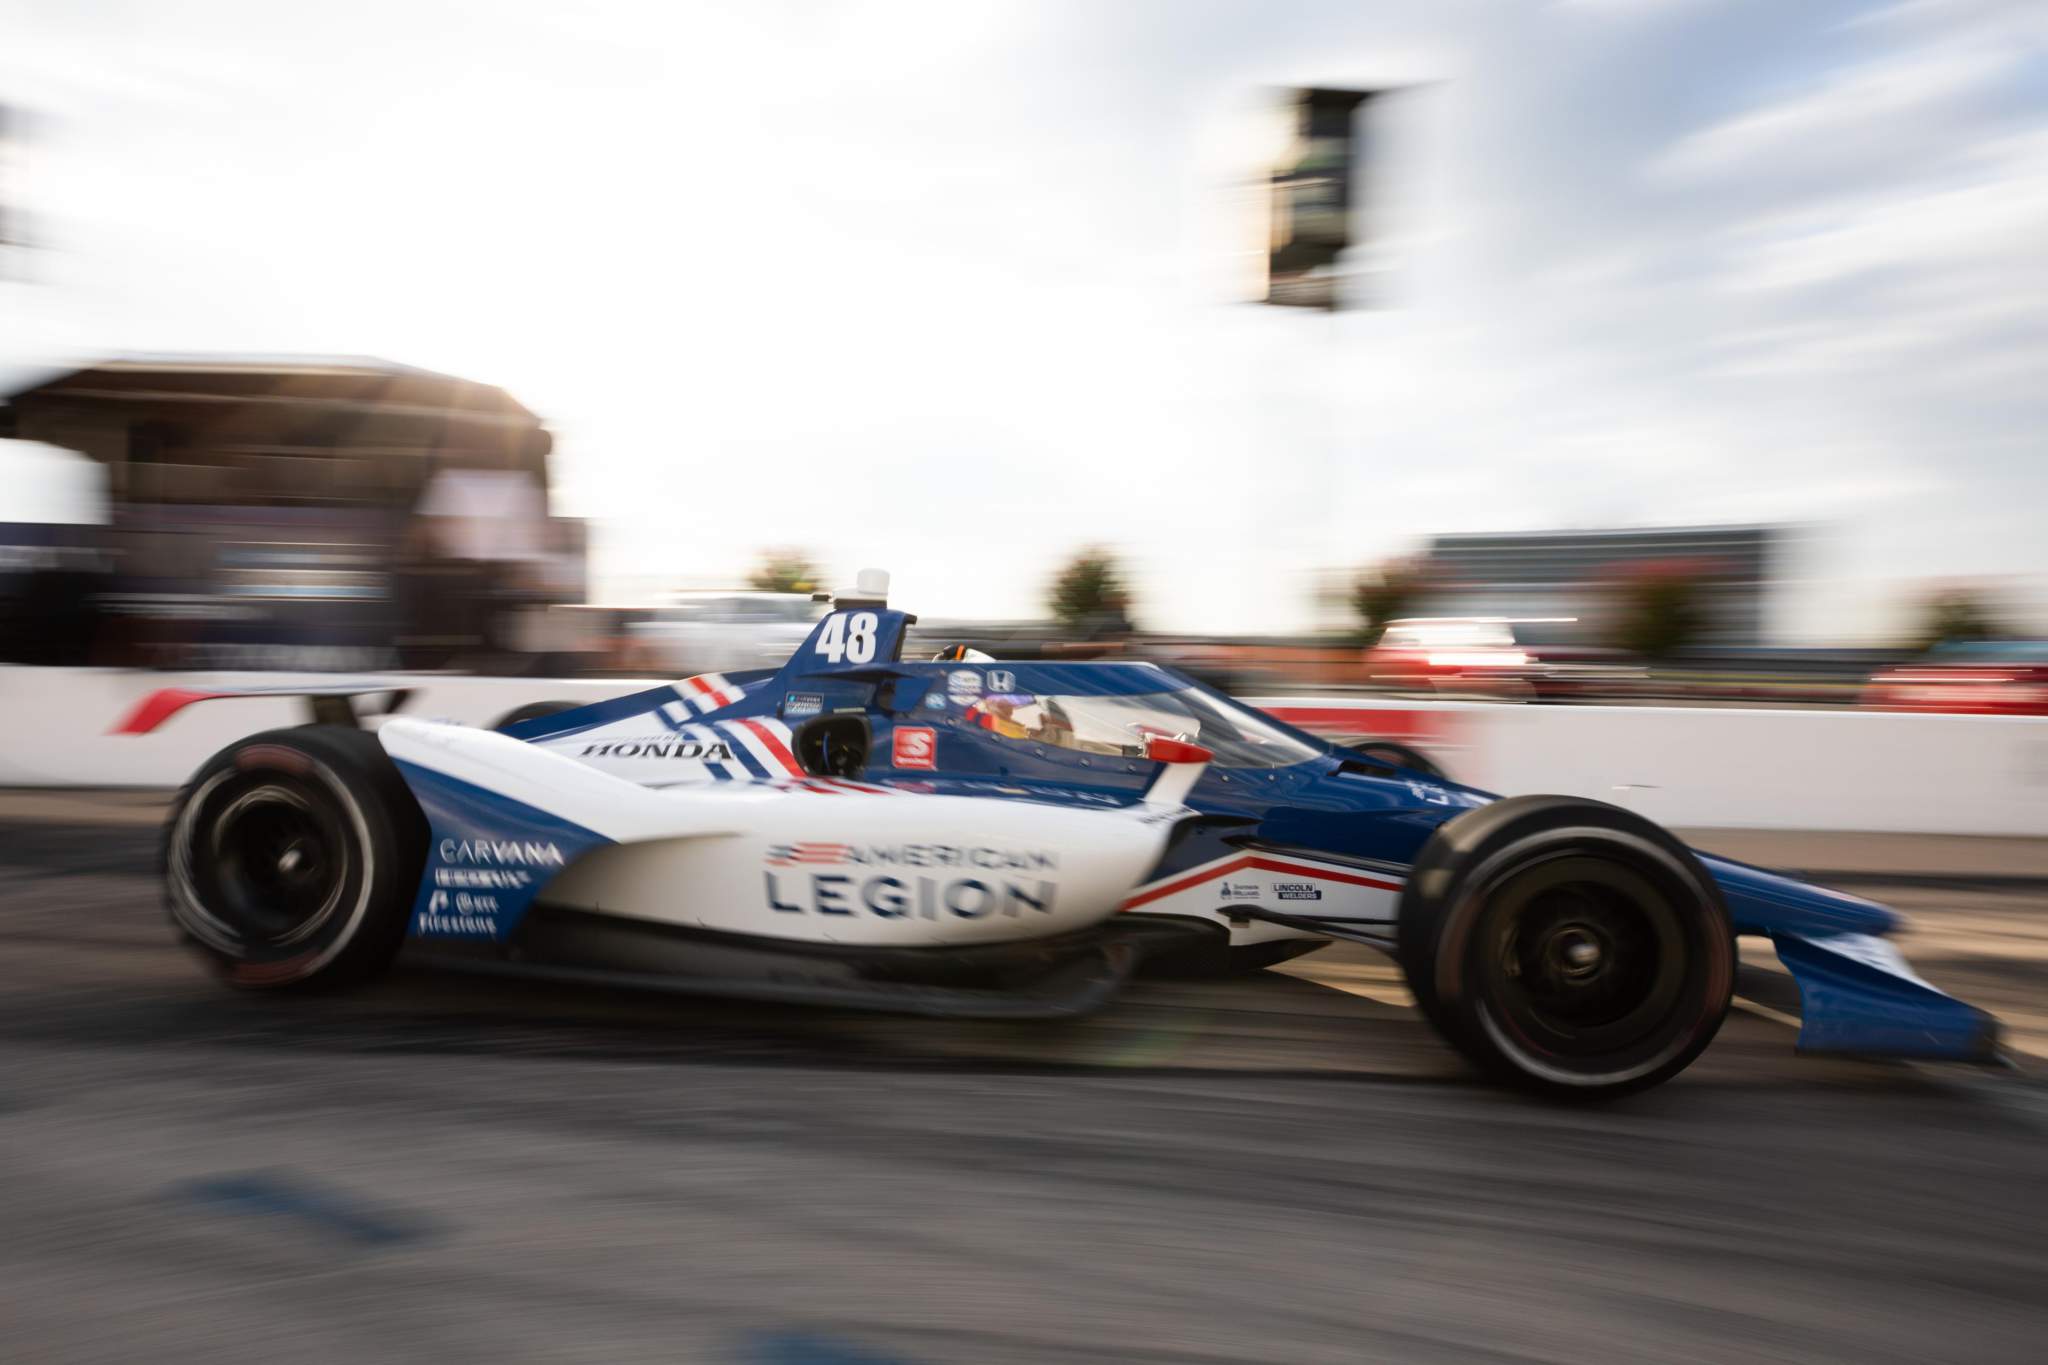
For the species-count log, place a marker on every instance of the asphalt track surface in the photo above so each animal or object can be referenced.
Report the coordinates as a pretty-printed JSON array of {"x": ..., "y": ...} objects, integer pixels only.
[{"x": 1287, "y": 1168}]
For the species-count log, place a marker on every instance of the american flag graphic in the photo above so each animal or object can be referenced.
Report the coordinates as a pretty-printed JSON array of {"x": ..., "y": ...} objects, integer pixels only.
[{"x": 791, "y": 855}]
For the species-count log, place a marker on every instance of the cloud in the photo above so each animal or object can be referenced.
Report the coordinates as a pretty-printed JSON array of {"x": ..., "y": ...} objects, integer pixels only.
[
  {"x": 1998, "y": 212},
  {"x": 946, "y": 288},
  {"x": 1880, "y": 115}
]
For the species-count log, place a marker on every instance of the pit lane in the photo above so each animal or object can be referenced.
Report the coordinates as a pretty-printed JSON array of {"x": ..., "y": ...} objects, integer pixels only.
[{"x": 1289, "y": 1167}]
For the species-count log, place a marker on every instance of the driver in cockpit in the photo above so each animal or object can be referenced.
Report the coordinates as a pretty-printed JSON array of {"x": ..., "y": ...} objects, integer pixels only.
[{"x": 1022, "y": 715}]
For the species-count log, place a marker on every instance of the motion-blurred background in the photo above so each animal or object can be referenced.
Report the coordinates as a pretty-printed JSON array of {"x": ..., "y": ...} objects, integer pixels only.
[
  {"x": 1662, "y": 381},
  {"x": 1584, "y": 351}
]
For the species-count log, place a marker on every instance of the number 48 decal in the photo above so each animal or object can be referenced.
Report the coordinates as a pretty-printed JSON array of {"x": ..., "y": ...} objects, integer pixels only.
[{"x": 849, "y": 636}]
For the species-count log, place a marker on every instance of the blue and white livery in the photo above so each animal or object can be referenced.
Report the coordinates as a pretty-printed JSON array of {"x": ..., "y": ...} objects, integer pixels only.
[{"x": 994, "y": 838}]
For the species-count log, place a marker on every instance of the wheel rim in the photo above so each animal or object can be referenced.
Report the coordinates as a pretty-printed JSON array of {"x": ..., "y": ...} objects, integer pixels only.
[
  {"x": 275, "y": 860},
  {"x": 1584, "y": 968}
]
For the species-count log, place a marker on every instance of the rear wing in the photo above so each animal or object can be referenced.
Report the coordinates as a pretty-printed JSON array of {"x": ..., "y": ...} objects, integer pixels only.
[
  {"x": 852, "y": 639},
  {"x": 326, "y": 704},
  {"x": 859, "y": 641}
]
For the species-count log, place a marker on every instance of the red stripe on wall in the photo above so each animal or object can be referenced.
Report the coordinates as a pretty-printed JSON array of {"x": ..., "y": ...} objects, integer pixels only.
[{"x": 159, "y": 706}]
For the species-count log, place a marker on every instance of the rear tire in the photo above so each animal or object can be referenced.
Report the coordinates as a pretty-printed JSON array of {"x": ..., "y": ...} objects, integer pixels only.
[
  {"x": 292, "y": 859},
  {"x": 1567, "y": 946}
]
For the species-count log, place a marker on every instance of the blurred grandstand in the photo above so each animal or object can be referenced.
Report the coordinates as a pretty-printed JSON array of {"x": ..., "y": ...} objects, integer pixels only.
[
  {"x": 294, "y": 512},
  {"x": 290, "y": 512}
]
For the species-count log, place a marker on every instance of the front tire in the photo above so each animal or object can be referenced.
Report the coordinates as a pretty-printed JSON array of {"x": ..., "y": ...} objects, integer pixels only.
[
  {"x": 1567, "y": 946},
  {"x": 292, "y": 858}
]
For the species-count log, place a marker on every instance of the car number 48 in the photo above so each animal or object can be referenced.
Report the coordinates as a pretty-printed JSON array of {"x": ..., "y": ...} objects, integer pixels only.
[{"x": 849, "y": 636}]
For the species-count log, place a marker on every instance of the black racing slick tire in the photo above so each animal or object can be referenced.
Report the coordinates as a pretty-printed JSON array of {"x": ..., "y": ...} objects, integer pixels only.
[
  {"x": 533, "y": 710},
  {"x": 292, "y": 858},
  {"x": 1566, "y": 946}
]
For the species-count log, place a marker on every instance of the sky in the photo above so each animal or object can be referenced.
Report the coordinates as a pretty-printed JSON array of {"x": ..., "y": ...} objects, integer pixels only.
[{"x": 956, "y": 289}]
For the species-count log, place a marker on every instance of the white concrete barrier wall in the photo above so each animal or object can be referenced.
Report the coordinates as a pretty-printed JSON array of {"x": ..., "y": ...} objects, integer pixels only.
[
  {"x": 56, "y": 731},
  {"x": 1731, "y": 767},
  {"x": 1688, "y": 766}
]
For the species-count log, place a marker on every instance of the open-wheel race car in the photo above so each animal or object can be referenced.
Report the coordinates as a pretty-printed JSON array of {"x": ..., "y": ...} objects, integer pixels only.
[{"x": 972, "y": 837}]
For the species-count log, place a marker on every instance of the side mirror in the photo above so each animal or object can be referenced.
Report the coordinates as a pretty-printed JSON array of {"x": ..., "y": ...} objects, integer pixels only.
[{"x": 1162, "y": 750}]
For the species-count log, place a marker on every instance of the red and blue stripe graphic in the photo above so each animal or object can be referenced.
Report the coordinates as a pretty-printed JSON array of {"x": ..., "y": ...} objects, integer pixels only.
[{"x": 808, "y": 854}]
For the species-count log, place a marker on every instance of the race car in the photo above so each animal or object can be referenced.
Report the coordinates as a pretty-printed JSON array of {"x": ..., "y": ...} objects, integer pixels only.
[{"x": 969, "y": 836}]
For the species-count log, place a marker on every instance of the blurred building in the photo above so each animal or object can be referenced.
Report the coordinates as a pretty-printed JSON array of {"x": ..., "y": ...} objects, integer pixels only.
[
  {"x": 1573, "y": 574},
  {"x": 267, "y": 507}
]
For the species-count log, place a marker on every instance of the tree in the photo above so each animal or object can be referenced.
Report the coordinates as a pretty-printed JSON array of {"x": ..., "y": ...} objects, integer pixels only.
[
  {"x": 1661, "y": 606},
  {"x": 1954, "y": 614},
  {"x": 1385, "y": 593},
  {"x": 784, "y": 570},
  {"x": 1089, "y": 594}
]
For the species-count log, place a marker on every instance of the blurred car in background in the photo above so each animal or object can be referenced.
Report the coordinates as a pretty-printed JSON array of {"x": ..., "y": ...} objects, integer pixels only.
[
  {"x": 717, "y": 632},
  {"x": 1967, "y": 677},
  {"x": 1494, "y": 658},
  {"x": 1240, "y": 667}
]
